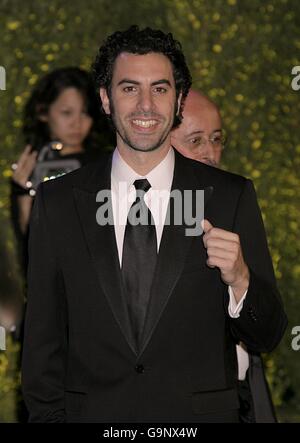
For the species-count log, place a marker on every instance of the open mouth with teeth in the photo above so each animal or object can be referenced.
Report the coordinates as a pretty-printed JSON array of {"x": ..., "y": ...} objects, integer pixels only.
[{"x": 144, "y": 124}]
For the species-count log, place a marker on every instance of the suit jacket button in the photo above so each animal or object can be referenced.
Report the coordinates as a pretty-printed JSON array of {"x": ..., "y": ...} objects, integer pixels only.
[
  {"x": 252, "y": 314},
  {"x": 140, "y": 369}
]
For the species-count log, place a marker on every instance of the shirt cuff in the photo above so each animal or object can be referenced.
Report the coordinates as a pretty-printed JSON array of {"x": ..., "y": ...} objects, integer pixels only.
[{"x": 235, "y": 308}]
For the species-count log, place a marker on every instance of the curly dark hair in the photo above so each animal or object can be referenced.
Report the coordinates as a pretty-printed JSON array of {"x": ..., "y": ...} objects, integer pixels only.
[
  {"x": 47, "y": 90},
  {"x": 144, "y": 41}
]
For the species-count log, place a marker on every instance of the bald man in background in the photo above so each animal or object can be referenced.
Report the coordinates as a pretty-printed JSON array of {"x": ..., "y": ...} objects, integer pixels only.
[
  {"x": 200, "y": 137},
  {"x": 201, "y": 121}
]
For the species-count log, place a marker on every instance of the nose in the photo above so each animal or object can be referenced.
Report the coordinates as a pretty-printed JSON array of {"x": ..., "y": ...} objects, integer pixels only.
[
  {"x": 145, "y": 103},
  {"x": 76, "y": 120},
  {"x": 208, "y": 153}
]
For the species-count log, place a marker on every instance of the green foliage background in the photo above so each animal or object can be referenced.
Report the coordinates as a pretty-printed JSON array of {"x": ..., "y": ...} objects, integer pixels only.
[{"x": 241, "y": 53}]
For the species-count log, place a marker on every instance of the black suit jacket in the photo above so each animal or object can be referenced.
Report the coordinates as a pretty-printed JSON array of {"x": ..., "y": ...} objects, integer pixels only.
[{"x": 80, "y": 362}]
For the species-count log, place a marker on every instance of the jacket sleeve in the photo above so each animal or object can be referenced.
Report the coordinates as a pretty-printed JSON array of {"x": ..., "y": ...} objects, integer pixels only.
[
  {"x": 44, "y": 354},
  {"x": 262, "y": 320}
]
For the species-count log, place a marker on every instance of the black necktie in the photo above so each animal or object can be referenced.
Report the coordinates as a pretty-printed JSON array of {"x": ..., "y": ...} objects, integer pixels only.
[{"x": 139, "y": 258}]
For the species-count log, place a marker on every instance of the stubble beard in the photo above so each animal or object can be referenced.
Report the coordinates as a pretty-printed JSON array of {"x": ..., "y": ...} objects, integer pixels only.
[{"x": 126, "y": 138}]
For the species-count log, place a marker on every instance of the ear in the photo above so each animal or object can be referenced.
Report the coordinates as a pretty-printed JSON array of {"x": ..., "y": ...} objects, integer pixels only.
[
  {"x": 43, "y": 118},
  {"x": 179, "y": 103},
  {"x": 41, "y": 113},
  {"x": 105, "y": 100}
]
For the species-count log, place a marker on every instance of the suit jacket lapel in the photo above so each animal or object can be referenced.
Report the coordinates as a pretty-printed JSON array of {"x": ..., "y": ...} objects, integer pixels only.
[
  {"x": 172, "y": 252},
  {"x": 102, "y": 246}
]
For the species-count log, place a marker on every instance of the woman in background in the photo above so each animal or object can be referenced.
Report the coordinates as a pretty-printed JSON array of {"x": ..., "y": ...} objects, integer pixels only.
[{"x": 63, "y": 109}]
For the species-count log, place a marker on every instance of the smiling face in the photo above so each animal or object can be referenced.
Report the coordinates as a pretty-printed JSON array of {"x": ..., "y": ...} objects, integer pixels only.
[
  {"x": 142, "y": 102},
  {"x": 68, "y": 119},
  {"x": 201, "y": 121}
]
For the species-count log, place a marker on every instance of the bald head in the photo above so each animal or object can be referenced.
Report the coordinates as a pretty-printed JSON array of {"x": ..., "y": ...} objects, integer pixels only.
[{"x": 201, "y": 120}]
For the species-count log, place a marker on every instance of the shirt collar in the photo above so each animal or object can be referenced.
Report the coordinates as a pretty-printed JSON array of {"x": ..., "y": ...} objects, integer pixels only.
[{"x": 160, "y": 177}]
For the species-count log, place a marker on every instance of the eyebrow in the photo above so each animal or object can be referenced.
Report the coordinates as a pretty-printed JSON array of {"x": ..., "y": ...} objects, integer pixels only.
[
  {"x": 134, "y": 82},
  {"x": 202, "y": 132}
]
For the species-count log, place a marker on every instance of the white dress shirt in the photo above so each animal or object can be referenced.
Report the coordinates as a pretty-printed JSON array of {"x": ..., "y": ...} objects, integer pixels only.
[{"x": 160, "y": 179}]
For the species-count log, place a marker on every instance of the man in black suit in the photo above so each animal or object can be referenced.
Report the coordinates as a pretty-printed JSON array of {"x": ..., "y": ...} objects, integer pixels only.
[
  {"x": 200, "y": 136},
  {"x": 133, "y": 314}
]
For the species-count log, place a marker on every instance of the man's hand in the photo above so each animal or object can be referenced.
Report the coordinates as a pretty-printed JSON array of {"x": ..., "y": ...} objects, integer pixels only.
[{"x": 224, "y": 252}]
